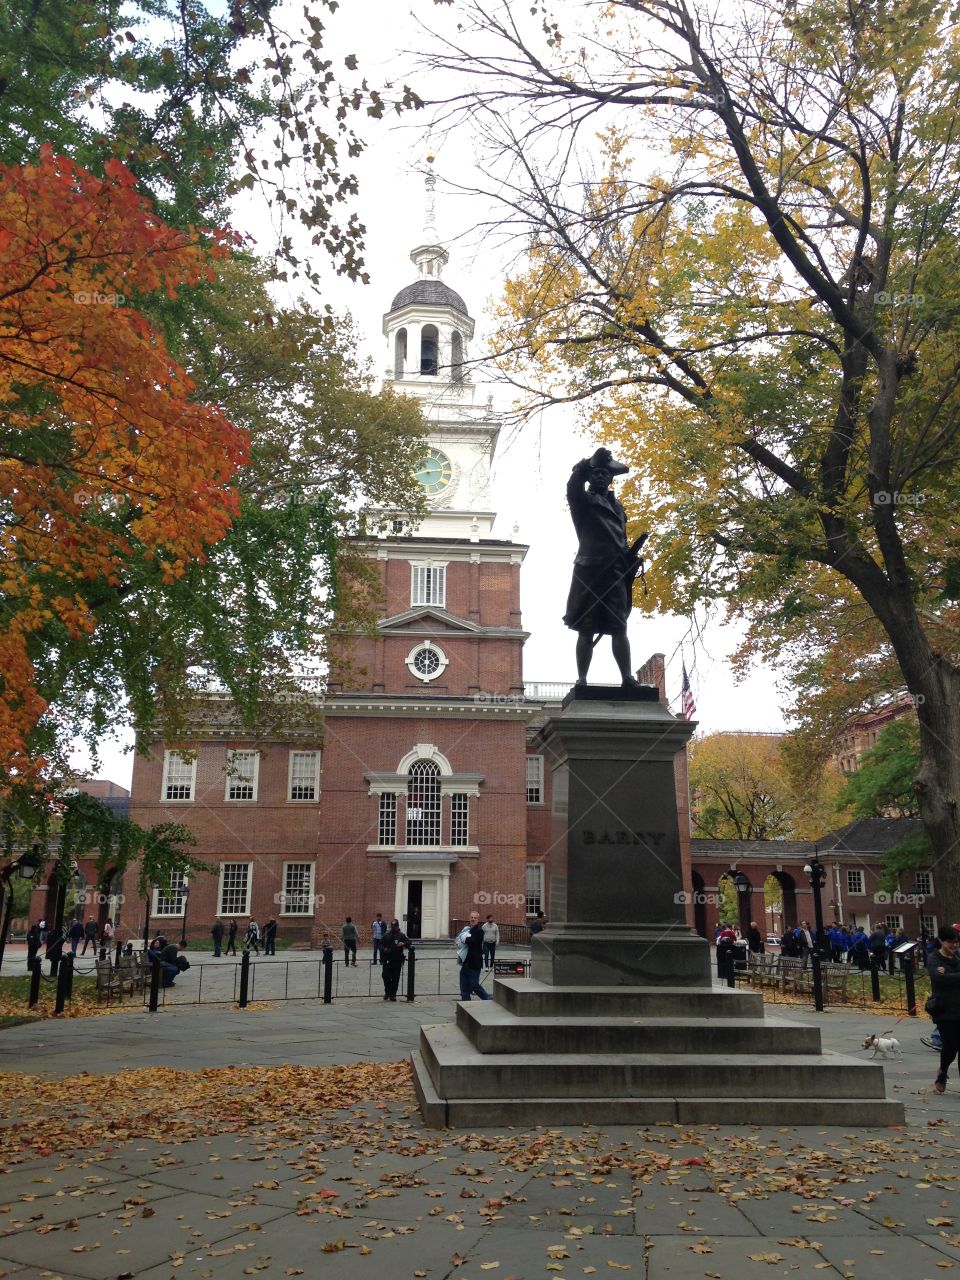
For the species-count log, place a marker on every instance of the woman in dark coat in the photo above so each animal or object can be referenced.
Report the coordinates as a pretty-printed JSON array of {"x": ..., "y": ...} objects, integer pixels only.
[{"x": 944, "y": 970}]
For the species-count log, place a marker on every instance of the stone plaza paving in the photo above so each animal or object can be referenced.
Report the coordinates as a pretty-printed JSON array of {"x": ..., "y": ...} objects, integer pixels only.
[{"x": 235, "y": 1178}]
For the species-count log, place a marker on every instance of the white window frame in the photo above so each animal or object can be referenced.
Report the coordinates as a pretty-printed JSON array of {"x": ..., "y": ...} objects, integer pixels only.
[
  {"x": 428, "y": 583},
  {"x": 532, "y": 896},
  {"x": 223, "y": 910},
  {"x": 235, "y": 778},
  {"x": 291, "y": 798},
  {"x": 851, "y": 891},
  {"x": 168, "y": 761},
  {"x": 928, "y": 892},
  {"x": 178, "y": 890},
  {"x": 387, "y": 815},
  {"x": 932, "y": 927},
  {"x": 537, "y": 781},
  {"x": 459, "y": 819},
  {"x": 891, "y": 923},
  {"x": 299, "y": 862}
]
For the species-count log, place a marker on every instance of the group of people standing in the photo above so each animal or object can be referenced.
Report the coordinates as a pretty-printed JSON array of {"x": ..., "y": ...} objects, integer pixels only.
[
  {"x": 252, "y": 939},
  {"x": 95, "y": 938}
]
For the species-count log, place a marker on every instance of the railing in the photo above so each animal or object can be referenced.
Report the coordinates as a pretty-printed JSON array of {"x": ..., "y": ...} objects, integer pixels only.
[
  {"x": 512, "y": 935},
  {"x": 790, "y": 981},
  {"x": 546, "y": 691},
  {"x": 214, "y": 982}
]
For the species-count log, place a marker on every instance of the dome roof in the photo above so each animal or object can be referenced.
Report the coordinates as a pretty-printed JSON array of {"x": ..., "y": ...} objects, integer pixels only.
[{"x": 432, "y": 293}]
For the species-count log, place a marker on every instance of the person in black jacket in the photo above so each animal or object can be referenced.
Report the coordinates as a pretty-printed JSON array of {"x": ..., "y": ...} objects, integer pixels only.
[
  {"x": 473, "y": 964},
  {"x": 217, "y": 932},
  {"x": 392, "y": 947},
  {"x": 231, "y": 939},
  {"x": 944, "y": 971}
]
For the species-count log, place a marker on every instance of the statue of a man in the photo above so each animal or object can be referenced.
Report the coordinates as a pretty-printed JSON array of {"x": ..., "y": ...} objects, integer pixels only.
[{"x": 601, "y": 592}]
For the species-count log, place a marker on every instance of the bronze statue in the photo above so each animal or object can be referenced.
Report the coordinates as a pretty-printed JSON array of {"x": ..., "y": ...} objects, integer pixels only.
[{"x": 601, "y": 591}]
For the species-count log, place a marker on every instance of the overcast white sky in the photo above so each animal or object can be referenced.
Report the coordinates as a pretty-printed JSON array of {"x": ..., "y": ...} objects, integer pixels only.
[{"x": 533, "y": 464}]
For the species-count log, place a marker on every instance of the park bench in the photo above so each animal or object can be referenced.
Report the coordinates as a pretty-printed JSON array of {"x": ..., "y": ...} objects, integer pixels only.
[
  {"x": 764, "y": 969},
  {"x": 114, "y": 980},
  {"x": 794, "y": 976},
  {"x": 835, "y": 979}
]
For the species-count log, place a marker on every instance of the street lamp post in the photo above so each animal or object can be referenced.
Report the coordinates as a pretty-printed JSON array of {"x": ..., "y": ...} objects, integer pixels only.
[
  {"x": 817, "y": 875},
  {"x": 186, "y": 898},
  {"x": 25, "y": 868}
]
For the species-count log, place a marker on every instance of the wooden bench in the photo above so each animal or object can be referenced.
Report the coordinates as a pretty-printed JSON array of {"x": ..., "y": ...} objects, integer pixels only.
[
  {"x": 764, "y": 968},
  {"x": 835, "y": 979}
]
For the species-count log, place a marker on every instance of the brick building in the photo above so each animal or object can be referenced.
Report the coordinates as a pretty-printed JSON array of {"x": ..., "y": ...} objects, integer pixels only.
[
  {"x": 852, "y": 894},
  {"x": 423, "y": 798}
]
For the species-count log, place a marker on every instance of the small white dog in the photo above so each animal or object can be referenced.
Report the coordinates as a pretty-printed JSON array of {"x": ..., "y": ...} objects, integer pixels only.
[{"x": 883, "y": 1046}]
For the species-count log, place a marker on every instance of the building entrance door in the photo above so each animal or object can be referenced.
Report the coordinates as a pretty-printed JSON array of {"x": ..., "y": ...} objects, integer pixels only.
[{"x": 420, "y": 917}]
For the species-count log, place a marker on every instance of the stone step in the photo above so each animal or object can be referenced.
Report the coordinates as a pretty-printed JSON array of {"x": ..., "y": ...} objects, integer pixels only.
[
  {"x": 491, "y": 1028},
  {"x": 459, "y": 1070},
  {"x": 493, "y": 1113},
  {"x": 528, "y": 998}
]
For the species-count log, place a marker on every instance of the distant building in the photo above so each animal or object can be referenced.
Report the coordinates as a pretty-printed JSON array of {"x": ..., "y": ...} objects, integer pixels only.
[{"x": 862, "y": 732}]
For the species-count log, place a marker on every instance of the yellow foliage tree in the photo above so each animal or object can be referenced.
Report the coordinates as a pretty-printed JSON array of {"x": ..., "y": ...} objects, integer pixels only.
[{"x": 753, "y": 287}]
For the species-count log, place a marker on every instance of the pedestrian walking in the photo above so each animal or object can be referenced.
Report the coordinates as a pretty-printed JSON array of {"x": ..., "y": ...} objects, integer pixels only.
[
  {"x": 377, "y": 930},
  {"x": 216, "y": 932},
  {"x": 393, "y": 947},
  {"x": 491, "y": 937},
  {"x": 75, "y": 933},
  {"x": 270, "y": 937},
  {"x": 473, "y": 963},
  {"x": 538, "y": 924},
  {"x": 252, "y": 941},
  {"x": 33, "y": 944},
  {"x": 944, "y": 1003},
  {"x": 89, "y": 936},
  {"x": 231, "y": 949},
  {"x": 349, "y": 936}
]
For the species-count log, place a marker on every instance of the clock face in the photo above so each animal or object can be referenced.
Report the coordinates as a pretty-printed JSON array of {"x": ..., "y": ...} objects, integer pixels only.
[{"x": 435, "y": 473}]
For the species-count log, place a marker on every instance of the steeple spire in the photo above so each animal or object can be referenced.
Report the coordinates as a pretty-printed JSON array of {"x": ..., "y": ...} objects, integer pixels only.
[
  {"x": 429, "y": 256},
  {"x": 430, "y": 204}
]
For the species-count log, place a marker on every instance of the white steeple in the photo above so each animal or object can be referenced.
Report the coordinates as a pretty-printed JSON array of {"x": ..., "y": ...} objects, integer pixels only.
[{"x": 428, "y": 329}]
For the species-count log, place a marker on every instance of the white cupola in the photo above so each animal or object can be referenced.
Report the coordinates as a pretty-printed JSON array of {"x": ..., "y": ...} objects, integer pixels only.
[{"x": 427, "y": 327}]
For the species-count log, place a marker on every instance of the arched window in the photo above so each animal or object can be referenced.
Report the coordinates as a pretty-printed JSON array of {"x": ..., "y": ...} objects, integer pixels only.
[
  {"x": 400, "y": 353},
  {"x": 456, "y": 357},
  {"x": 429, "y": 342},
  {"x": 423, "y": 803}
]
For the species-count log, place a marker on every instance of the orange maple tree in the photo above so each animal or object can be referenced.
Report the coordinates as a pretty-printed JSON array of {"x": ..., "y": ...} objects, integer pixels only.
[{"x": 107, "y": 464}]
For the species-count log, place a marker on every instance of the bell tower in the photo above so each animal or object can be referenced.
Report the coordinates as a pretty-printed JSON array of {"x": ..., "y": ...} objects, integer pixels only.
[{"x": 428, "y": 331}]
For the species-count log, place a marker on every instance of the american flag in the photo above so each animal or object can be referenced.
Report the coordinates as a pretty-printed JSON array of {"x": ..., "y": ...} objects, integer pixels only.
[{"x": 688, "y": 708}]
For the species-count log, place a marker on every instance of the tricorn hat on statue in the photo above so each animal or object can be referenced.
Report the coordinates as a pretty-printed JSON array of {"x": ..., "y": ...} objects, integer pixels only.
[{"x": 605, "y": 459}]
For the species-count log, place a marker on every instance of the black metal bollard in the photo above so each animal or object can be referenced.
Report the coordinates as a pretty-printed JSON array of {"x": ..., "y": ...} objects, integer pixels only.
[
  {"x": 36, "y": 973},
  {"x": 731, "y": 967},
  {"x": 244, "y": 980},
  {"x": 874, "y": 978},
  {"x": 327, "y": 963},
  {"x": 64, "y": 982},
  {"x": 906, "y": 963},
  {"x": 154, "y": 984},
  {"x": 817, "y": 974},
  {"x": 412, "y": 975}
]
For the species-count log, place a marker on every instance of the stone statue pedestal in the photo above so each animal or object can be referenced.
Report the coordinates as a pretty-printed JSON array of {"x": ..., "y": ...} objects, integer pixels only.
[
  {"x": 618, "y": 1022},
  {"x": 616, "y": 905}
]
